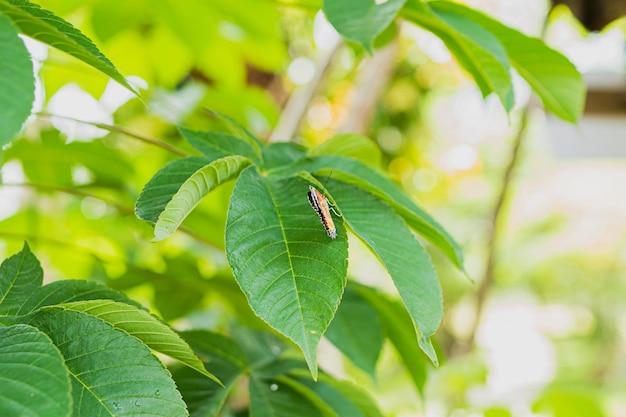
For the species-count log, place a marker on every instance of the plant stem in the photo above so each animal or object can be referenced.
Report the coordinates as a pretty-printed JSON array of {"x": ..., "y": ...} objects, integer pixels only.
[
  {"x": 496, "y": 218},
  {"x": 118, "y": 129}
]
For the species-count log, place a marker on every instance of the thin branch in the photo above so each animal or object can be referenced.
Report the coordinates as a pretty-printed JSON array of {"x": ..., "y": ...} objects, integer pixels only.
[
  {"x": 496, "y": 217},
  {"x": 121, "y": 207},
  {"x": 293, "y": 114},
  {"x": 118, "y": 129}
]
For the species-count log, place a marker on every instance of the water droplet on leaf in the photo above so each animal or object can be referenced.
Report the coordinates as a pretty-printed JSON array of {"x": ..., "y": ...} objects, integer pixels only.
[{"x": 274, "y": 387}]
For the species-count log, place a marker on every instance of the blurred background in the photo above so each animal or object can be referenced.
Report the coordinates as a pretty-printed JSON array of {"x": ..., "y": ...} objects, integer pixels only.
[{"x": 538, "y": 205}]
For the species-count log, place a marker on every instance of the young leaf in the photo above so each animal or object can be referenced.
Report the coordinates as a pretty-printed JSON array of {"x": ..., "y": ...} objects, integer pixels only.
[
  {"x": 271, "y": 398},
  {"x": 476, "y": 49},
  {"x": 164, "y": 184},
  {"x": 401, "y": 332},
  {"x": 20, "y": 276},
  {"x": 408, "y": 263},
  {"x": 361, "y": 20},
  {"x": 360, "y": 344},
  {"x": 50, "y": 29},
  {"x": 17, "y": 82},
  {"x": 198, "y": 185},
  {"x": 551, "y": 75},
  {"x": 111, "y": 372},
  {"x": 34, "y": 379},
  {"x": 292, "y": 273},
  {"x": 349, "y": 145},
  {"x": 216, "y": 145},
  {"x": 142, "y": 325}
]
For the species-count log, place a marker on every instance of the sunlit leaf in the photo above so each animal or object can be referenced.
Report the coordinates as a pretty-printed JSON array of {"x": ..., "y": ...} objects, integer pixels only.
[
  {"x": 142, "y": 325},
  {"x": 360, "y": 344},
  {"x": 50, "y": 29},
  {"x": 198, "y": 185},
  {"x": 17, "y": 81},
  {"x": 550, "y": 74},
  {"x": 34, "y": 379},
  {"x": 350, "y": 145},
  {"x": 408, "y": 263},
  {"x": 111, "y": 372},
  {"x": 20, "y": 275},
  {"x": 292, "y": 273},
  {"x": 361, "y": 20},
  {"x": 476, "y": 49}
]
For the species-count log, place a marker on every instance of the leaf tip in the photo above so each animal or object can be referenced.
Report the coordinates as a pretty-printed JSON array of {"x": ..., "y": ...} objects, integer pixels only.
[{"x": 427, "y": 347}]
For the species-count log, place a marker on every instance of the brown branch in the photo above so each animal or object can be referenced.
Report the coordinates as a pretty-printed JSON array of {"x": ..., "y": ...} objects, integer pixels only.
[
  {"x": 496, "y": 217},
  {"x": 118, "y": 129}
]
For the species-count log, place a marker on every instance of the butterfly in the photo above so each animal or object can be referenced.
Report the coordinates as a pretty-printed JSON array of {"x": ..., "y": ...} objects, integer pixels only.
[{"x": 320, "y": 204}]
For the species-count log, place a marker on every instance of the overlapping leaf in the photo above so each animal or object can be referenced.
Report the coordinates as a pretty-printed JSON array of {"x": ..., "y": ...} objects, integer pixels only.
[
  {"x": 349, "y": 145},
  {"x": 292, "y": 273},
  {"x": 50, "y": 29},
  {"x": 476, "y": 49},
  {"x": 112, "y": 373},
  {"x": 20, "y": 276},
  {"x": 145, "y": 327},
  {"x": 34, "y": 379},
  {"x": 17, "y": 82},
  {"x": 408, "y": 263},
  {"x": 196, "y": 187},
  {"x": 551, "y": 75}
]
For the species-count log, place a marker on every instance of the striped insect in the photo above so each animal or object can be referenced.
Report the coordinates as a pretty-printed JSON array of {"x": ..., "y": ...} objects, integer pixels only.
[{"x": 322, "y": 207}]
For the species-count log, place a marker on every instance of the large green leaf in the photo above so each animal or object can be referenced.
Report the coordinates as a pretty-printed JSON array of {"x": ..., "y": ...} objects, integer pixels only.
[
  {"x": 198, "y": 185},
  {"x": 553, "y": 77},
  {"x": 112, "y": 373},
  {"x": 17, "y": 81},
  {"x": 360, "y": 344},
  {"x": 142, "y": 325},
  {"x": 292, "y": 273},
  {"x": 50, "y": 29},
  {"x": 408, "y": 263},
  {"x": 164, "y": 184},
  {"x": 401, "y": 332},
  {"x": 354, "y": 172},
  {"x": 216, "y": 145},
  {"x": 20, "y": 276},
  {"x": 361, "y": 20},
  {"x": 281, "y": 153},
  {"x": 34, "y": 379},
  {"x": 476, "y": 49},
  {"x": 66, "y": 291}
]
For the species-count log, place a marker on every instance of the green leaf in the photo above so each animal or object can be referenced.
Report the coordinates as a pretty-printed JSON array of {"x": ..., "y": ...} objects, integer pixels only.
[
  {"x": 203, "y": 396},
  {"x": 17, "y": 81},
  {"x": 237, "y": 128},
  {"x": 356, "y": 173},
  {"x": 332, "y": 398},
  {"x": 406, "y": 260},
  {"x": 164, "y": 185},
  {"x": 20, "y": 275},
  {"x": 360, "y": 344},
  {"x": 46, "y": 27},
  {"x": 112, "y": 373},
  {"x": 277, "y": 399},
  {"x": 292, "y": 273},
  {"x": 350, "y": 145},
  {"x": 142, "y": 325},
  {"x": 198, "y": 185},
  {"x": 216, "y": 145},
  {"x": 361, "y": 20},
  {"x": 354, "y": 393},
  {"x": 551, "y": 75},
  {"x": 34, "y": 380},
  {"x": 476, "y": 49},
  {"x": 401, "y": 332},
  {"x": 66, "y": 291}
]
